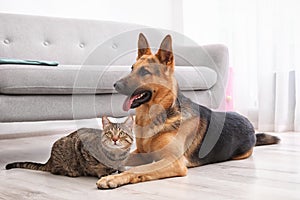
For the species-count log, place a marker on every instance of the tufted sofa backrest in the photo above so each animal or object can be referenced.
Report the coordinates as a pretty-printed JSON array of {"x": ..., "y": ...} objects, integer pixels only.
[
  {"x": 69, "y": 41},
  {"x": 80, "y": 42}
]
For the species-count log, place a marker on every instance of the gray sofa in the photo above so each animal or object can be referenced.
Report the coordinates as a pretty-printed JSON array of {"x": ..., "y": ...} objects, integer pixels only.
[{"x": 92, "y": 55}]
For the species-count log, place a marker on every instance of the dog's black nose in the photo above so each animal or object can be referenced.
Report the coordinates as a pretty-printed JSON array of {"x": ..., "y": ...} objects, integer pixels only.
[{"x": 118, "y": 85}]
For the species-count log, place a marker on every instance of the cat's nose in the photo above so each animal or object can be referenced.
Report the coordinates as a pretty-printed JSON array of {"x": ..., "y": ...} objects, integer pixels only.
[{"x": 115, "y": 139}]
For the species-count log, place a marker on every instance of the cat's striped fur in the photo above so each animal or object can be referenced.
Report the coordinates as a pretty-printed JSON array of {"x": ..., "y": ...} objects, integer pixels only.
[{"x": 88, "y": 152}]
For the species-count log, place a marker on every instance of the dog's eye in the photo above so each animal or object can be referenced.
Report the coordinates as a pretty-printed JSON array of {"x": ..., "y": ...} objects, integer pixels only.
[
  {"x": 143, "y": 72},
  {"x": 132, "y": 68}
]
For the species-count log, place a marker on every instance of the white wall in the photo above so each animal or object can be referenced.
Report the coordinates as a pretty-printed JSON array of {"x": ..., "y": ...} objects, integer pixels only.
[{"x": 156, "y": 13}]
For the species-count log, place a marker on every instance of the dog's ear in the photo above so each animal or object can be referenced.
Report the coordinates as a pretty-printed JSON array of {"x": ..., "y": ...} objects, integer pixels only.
[
  {"x": 143, "y": 46},
  {"x": 165, "y": 52}
]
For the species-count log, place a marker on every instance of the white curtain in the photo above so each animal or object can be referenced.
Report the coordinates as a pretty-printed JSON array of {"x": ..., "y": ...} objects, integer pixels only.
[{"x": 264, "y": 47}]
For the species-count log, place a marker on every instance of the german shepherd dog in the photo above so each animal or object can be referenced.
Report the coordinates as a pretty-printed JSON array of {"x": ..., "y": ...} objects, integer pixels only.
[{"x": 172, "y": 132}]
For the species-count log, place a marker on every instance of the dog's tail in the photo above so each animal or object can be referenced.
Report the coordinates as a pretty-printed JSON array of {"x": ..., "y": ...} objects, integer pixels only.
[
  {"x": 266, "y": 139},
  {"x": 28, "y": 165}
]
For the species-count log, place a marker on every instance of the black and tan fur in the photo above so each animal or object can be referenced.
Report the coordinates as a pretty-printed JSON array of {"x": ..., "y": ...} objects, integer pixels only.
[
  {"x": 170, "y": 129},
  {"x": 88, "y": 152}
]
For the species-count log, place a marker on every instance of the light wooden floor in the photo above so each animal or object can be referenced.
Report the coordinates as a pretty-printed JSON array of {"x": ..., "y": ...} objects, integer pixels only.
[{"x": 273, "y": 172}]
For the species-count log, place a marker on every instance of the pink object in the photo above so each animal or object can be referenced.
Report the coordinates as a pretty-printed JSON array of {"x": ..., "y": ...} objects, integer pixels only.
[{"x": 229, "y": 91}]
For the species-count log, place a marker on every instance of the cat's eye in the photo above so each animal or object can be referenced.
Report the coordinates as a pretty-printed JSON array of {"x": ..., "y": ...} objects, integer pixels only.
[
  {"x": 108, "y": 134},
  {"x": 122, "y": 133}
]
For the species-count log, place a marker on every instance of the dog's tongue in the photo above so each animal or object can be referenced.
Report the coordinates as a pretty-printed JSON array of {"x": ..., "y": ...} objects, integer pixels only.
[{"x": 128, "y": 101}]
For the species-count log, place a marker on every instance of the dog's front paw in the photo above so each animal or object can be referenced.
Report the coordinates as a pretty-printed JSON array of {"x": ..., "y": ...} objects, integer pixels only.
[
  {"x": 112, "y": 181},
  {"x": 106, "y": 183}
]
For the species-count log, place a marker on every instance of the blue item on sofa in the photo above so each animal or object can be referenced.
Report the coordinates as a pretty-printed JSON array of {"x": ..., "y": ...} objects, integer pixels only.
[{"x": 27, "y": 62}]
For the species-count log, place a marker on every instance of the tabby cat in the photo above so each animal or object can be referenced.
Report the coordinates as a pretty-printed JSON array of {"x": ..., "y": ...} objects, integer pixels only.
[{"x": 88, "y": 152}]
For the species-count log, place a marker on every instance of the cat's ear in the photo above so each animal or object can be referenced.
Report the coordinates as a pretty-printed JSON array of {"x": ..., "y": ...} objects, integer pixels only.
[
  {"x": 105, "y": 121},
  {"x": 129, "y": 122}
]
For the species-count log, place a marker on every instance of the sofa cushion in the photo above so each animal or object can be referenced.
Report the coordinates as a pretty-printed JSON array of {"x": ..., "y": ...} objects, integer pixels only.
[{"x": 69, "y": 79}]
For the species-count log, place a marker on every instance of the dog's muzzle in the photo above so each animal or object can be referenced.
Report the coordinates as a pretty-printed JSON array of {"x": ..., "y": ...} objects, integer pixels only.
[
  {"x": 135, "y": 96},
  {"x": 119, "y": 86}
]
